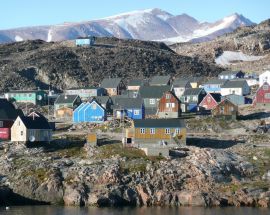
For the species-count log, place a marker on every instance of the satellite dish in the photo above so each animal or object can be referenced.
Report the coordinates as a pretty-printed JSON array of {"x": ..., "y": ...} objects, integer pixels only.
[
  {"x": 39, "y": 97},
  {"x": 32, "y": 138}
]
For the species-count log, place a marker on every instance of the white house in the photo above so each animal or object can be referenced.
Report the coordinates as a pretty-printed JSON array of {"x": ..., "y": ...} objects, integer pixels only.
[
  {"x": 237, "y": 87},
  {"x": 31, "y": 128},
  {"x": 264, "y": 77},
  {"x": 179, "y": 86}
]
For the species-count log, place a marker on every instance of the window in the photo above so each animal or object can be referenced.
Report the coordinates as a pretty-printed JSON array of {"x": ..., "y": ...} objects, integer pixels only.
[
  {"x": 19, "y": 123},
  {"x": 186, "y": 99},
  {"x": 136, "y": 112},
  {"x": 21, "y": 133},
  {"x": 1, "y": 124},
  {"x": 209, "y": 99},
  {"x": 94, "y": 106},
  {"x": 267, "y": 95},
  {"x": 30, "y": 95},
  {"x": 168, "y": 96},
  {"x": 232, "y": 109},
  {"x": 194, "y": 98},
  {"x": 265, "y": 87},
  {"x": 177, "y": 130},
  {"x": 170, "y": 105},
  {"x": 152, "y": 101},
  {"x": 152, "y": 130},
  {"x": 167, "y": 131},
  {"x": 142, "y": 130}
]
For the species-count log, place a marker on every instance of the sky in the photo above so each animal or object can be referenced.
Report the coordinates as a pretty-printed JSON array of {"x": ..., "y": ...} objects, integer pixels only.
[{"x": 20, "y": 13}]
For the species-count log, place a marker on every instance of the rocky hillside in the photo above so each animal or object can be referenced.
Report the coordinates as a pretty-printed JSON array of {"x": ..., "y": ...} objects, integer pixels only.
[
  {"x": 252, "y": 41},
  {"x": 37, "y": 63},
  {"x": 113, "y": 176}
]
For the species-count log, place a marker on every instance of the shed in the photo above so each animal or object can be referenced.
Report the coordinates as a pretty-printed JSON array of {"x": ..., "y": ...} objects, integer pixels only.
[{"x": 225, "y": 109}]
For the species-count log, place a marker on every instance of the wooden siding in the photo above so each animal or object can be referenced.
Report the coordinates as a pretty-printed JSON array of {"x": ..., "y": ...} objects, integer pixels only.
[
  {"x": 225, "y": 108},
  {"x": 168, "y": 97},
  {"x": 208, "y": 102},
  {"x": 159, "y": 133},
  {"x": 260, "y": 97},
  {"x": 64, "y": 113}
]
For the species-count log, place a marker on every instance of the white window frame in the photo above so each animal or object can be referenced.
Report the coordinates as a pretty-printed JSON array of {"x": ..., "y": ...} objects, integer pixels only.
[
  {"x": 142, "y": 130},
  {"x": 177, "y": 130},
  {"x": 167, "y": 131},
  {"x": 267, "y": 95},
  {"x": 152, "y": 101},
  {"x": 137, "y": 112},
  {"x": 168, "y": 96},
  {"x": 152, "y": 131}
]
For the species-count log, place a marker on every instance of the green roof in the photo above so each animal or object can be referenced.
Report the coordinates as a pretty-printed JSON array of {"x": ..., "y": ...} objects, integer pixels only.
[
  {"x": 153, "y": 91},
  {"x": 110, "y": 82},
  {"x": 192, "y": 91},
  {"x": 160, "y": 80},
  {"x": 235, "y": 84},
  {"x": 65, "y": 99}
]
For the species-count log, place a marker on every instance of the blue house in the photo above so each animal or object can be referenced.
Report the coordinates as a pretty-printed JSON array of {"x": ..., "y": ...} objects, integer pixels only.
[
  {"x": 91, "y": 112},
  {"x": 214, "y": 86},
  {"x": 132, "y": 108}
]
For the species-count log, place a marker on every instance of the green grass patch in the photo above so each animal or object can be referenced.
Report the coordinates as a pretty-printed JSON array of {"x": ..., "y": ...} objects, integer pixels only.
[{"x": 40, "y": 174}]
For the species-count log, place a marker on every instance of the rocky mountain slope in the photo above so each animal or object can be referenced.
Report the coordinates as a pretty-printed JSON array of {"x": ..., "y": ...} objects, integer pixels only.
[
  {"x": 238, "y": 47},
  {"x": 31, "y": 64},
  {"x": 151, "y": 24}
]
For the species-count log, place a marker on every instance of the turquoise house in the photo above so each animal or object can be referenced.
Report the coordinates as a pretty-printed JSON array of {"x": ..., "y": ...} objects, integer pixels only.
[
  {"x": 91, "y": 112},
  {"x": 36, "y": 97}
]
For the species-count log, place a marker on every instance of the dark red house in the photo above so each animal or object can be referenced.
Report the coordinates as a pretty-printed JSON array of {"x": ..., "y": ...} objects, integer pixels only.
[
  {"x": 210, "y": 101},
  {"x": 8, "y": 114},
  {"x": 169, "y": 106},
  {"x": 262, "y": 96}
]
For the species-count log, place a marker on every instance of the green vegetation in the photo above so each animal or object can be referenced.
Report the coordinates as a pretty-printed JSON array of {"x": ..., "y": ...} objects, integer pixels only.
[
  {"x": 40, "y": 174},
  {"x": 110, "y": 150}
]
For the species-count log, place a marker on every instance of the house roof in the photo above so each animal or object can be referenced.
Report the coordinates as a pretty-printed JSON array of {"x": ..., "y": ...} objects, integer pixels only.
[
  {"x": 160, "y": 80},
  {"x": 110, "y": 82},
  {"x": 83, "y": 88},
  {"x": 159, "y": 123},
  {"x": 135, "y": 82},
  {"x": 234, "y": 84},
  {"x": 195, "y": 79},
  {"x": 227, "y": 72},
  {"x": 25, "y": 91},
  {"x": 8, "y": 111},
  {"x": 153, "y": 91},
  {"x": 216, "y": 96},
  {"x": 179, "y": 82},
  {"x": 102, "y": 99},
  {"x": 64, "y": 99},
  {"x": 216, "y": 82},
  {"x": 128, "y": 103},
  {"x": 223, "y": 102},
  {"x": 192, "y": 91},
  {"x": 35, "y": 120}
]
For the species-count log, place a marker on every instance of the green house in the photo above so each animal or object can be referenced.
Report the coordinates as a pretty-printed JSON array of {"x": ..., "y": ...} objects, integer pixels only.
[{"x": 36, "y": 97}]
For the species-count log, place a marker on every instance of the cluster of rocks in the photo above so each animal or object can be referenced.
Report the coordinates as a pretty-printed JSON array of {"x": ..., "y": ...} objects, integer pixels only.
[{"x": 202, "y": 178}]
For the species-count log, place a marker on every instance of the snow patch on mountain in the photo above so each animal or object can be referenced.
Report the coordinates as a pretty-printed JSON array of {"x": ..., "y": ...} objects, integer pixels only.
[
  {"x": 49, "y": 37},
  {"x": 18, "y": 38},
  {"x": 228, "y": 57}
]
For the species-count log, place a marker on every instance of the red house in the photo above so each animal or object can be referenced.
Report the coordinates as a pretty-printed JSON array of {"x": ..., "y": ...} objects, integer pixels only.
[
  {"x": 210, "y": 101},
  {"x": 8, "y": 114},
  {"x": 262, "y": 96},
  {"x": 169, "y": 106}
]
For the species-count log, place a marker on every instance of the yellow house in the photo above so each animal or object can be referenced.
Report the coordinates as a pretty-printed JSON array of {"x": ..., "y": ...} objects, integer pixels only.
[{"x": 159, "y": 130}]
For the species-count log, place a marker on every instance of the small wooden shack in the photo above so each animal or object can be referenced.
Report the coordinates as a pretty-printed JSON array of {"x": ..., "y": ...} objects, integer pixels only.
[
  {"x": 225, "y": 109},
  {"x": 169, "y": 106}
]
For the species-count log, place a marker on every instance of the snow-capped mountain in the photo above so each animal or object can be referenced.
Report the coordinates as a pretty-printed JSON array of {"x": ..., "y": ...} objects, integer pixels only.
[{"x": 151, "y": 24}]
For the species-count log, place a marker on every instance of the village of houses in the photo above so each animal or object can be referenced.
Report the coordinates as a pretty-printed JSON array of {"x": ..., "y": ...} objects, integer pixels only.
[{"x": 150, "y": 113}]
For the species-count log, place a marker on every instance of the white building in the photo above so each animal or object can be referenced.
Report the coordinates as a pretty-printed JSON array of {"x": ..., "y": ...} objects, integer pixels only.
[
  {"x": 264, "y": 77},
  {"x": 237, "y": 87}
]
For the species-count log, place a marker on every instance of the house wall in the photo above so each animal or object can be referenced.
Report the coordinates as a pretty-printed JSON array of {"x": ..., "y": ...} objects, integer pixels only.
[
  {"x": 212, "y": 88},
  {"x": 208, "y": 102},
  {"x": 263, "y": 95},
  {"x": 94, "y": 113},
  {"x": 18, "y": 131},
  {"x": 64, "y": 113},
  {"x": 40, "y": 135},
  {"x": 159, "y": 134},
  {"x": 228, "y": 91},
  {"x": 264, "y": 77},
  {"x": 136, "y": 88},
  {"x": 169, "y": 106},
  {"x": 225, "y": 109},
  {"x": 179, "y": 91},
  {"x": 5, "y": 129}
]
